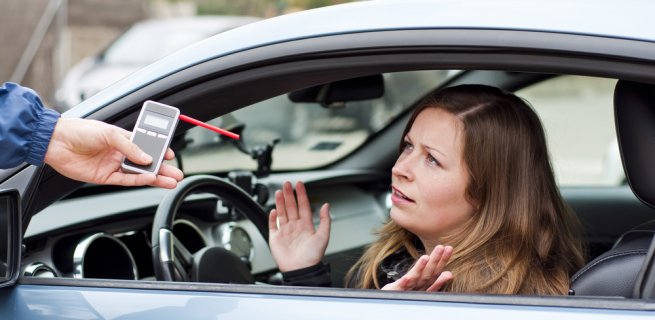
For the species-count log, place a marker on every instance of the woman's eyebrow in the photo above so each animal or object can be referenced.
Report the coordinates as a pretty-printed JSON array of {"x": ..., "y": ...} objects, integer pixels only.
[
  {"x": 407, "y": 138},
  {"x": 435, "y": 150}
]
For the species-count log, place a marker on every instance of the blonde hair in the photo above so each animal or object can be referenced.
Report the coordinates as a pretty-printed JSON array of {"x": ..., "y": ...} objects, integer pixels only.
[{"x": 523, "y": 238}]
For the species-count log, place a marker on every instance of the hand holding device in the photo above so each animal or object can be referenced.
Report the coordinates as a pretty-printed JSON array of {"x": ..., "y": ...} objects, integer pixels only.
[
  {"x": 153, "y": 132},
  {"x": 92, "y": 151}
]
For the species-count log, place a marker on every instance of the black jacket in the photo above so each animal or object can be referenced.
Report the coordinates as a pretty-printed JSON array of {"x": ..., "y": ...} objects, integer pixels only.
[{"x": 391, "y": 269}]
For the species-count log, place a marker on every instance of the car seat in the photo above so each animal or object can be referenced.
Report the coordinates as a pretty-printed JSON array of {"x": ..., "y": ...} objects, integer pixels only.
[{"x": 618, "y": 271}]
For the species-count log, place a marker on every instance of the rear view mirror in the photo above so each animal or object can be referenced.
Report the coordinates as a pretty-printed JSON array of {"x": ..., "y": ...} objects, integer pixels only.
[
  {"x": 10, "y": 238},
  {"x": 337, "y": 94}
]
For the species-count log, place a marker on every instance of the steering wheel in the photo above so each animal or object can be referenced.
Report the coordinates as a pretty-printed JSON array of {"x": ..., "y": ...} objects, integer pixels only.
[{"x": 173, "y": 262}]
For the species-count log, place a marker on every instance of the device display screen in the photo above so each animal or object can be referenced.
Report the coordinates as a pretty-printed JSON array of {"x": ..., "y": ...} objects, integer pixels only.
[{"x": 156, "y": 121}]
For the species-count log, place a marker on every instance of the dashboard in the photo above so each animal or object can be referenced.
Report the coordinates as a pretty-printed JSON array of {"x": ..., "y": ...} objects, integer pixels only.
[{"x": 107, "y": 235}]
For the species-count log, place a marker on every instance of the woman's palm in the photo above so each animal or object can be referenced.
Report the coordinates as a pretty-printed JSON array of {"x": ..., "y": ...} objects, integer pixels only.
[{"x": 294, "y": 241}]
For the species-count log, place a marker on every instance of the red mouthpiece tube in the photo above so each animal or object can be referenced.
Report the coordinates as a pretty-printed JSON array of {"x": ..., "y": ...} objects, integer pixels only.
[{"x": 209, "y": 126}]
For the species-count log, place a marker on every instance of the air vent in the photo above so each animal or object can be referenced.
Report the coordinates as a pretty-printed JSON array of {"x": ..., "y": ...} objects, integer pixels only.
[
  {"x": 326, "y": 146},
  {"x": 39, "y": 270}
]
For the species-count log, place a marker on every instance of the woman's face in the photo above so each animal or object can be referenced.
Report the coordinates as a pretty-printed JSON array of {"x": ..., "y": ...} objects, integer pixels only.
[{"x": 430, "y": 178}]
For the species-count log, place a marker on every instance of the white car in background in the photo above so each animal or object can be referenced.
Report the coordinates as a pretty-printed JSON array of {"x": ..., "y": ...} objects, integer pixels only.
[{"x": 145, "y": 42}]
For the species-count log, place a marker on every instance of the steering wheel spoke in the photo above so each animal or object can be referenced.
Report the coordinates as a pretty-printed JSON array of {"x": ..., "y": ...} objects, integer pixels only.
[
  {"x": 182, "y": 254},
  {"x": 180, "y": 271}
]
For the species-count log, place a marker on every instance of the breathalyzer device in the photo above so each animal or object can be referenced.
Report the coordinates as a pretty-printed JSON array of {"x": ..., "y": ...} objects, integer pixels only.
[{"x": 153, "y": 132}]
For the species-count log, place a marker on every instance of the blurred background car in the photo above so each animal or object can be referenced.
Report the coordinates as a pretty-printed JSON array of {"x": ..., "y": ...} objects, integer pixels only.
[{"x": 142, "y": 44}]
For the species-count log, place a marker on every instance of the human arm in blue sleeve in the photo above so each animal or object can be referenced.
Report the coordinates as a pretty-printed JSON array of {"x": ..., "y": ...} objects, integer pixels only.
[
  {"x": 81, "y": 149},
  {"x": 26, "y": 126}
]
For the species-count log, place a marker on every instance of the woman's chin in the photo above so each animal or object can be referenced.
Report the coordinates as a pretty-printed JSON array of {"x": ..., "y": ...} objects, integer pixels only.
[{"x": 399, "y": 216}]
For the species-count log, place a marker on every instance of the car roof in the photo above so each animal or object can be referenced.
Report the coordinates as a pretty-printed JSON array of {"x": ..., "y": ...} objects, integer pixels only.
[{"x": 603, "y": 18}]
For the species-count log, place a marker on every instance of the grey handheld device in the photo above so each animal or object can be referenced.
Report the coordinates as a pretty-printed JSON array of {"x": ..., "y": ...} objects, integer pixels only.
[{"x": 153, "y": 132}]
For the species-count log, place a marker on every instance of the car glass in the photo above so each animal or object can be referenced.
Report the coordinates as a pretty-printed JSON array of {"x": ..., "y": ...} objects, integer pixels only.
[
  {"x": 578, "y": 117},
  {"x": 310, "y": 136}
]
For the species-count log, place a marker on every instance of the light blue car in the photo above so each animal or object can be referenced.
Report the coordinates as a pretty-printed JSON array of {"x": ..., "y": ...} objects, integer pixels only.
[{"x": 322, "y": 96}]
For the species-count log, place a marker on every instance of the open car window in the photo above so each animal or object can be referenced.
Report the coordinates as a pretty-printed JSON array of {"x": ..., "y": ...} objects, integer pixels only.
[{"x": 310, "y": 135}]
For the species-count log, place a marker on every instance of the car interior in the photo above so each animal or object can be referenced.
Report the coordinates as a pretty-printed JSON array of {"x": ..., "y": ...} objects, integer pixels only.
[{"x": 340, "y": 137}]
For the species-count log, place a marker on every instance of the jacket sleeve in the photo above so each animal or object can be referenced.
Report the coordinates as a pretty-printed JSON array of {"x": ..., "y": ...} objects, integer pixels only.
[
  {"x": 314, "y": 276},
  {"x": 26, "y": 126}
]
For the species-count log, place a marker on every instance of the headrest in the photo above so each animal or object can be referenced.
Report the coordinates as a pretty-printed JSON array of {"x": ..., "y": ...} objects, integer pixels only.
[{"x": 634, "y": 109}]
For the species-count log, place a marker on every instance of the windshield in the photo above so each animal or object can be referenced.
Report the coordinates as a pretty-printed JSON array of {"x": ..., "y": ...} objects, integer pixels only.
[{"x": 310, "y": 136}]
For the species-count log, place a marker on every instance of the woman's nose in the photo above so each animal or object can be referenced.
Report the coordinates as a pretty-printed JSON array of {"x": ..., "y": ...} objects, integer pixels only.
[{"x": 403, "y": 167}]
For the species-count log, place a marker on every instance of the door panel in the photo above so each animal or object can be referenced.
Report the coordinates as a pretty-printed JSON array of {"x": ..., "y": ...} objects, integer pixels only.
[{"x": 26, "y": 301}]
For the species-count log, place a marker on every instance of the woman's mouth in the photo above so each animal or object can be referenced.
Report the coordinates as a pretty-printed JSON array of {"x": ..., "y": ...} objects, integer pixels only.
[{"x": 397, "y": 197}]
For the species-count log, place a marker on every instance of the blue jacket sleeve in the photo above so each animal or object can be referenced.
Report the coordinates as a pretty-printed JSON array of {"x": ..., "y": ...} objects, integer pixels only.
[{"x": 26, "y": 126}]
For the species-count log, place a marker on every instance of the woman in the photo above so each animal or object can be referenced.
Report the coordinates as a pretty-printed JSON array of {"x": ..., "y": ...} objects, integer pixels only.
[{"x": 475, "y": 207}]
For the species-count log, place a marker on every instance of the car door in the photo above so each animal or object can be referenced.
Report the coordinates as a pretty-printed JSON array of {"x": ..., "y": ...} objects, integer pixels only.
[{"x": 226, "y": 83}]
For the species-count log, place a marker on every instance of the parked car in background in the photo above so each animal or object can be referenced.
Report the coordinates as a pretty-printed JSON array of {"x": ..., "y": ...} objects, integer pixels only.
[
  {"x": 352, "y": 74},
  {"x": 145, "y": 42}
]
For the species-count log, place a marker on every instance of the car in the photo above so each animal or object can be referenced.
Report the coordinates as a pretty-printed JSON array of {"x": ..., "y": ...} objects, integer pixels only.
[
  {"x": 143, "y": 43},
  {"x": 588, "y": 69}
]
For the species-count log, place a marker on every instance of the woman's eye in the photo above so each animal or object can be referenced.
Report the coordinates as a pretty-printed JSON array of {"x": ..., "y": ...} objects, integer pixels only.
[
  {"x": 431, "y": 160},
  {"x": 407, "y": 146}
]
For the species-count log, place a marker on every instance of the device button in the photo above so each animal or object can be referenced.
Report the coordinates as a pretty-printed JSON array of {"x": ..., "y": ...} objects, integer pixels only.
[
  {"x": 159, "y": 135},
  {"x": 141, "y": 130},
  {"x": 150, "y": 133}
]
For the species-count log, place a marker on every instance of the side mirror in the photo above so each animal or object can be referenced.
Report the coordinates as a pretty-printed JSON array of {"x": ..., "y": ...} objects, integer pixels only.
[{"x": 10, "y": 237}]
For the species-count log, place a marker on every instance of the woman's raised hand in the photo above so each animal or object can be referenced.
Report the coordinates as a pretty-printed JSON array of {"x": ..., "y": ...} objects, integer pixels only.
[
  {"x": 427, "y": 274},
  {"x": 294, "y": 242}
]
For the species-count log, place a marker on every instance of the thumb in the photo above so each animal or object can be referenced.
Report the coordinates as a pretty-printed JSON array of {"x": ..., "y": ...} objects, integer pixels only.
[
  {"x": 128, "y": 148},
  {"x": 398, "y": 285}
]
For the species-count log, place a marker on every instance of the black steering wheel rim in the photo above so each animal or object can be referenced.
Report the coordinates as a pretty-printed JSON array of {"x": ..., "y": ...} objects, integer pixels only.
[{"x": 163, "y": 222}]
